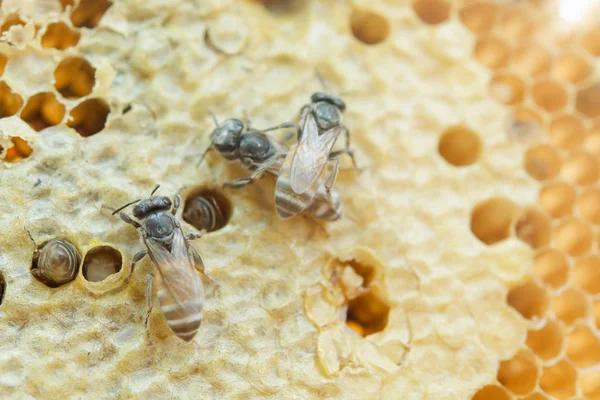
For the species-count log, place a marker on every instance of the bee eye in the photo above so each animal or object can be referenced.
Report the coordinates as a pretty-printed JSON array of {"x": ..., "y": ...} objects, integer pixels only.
[{"x": 57, "y": 263}]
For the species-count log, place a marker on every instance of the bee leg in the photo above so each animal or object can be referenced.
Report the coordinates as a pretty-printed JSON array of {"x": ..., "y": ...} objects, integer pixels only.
[
  {"x": 333, "y": 175},
  {"x": 126, "y": 218},
  {"x": 284, "y": 125},
  {"x": 176, "y": 203},
  {"x": 199, "y": 265},
  {"x": 149, "y": 279},
  {"x": 136, "y": 259},
  {"x": 347, "y": 148},
  {"x": 256, "y": 175}
]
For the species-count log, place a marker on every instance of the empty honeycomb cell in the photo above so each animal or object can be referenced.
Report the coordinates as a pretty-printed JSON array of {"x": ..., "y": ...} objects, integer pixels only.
[
  {"x": 567, "y": 131},
  {"x": 369, "y": 27},
  {"x": 591, "y": 42},
  {"x": 432, "y": 12},
  {"x": 573, "y": 236},
  {"x": 588, "y": 205},
  {"x": 508, "y": 89},
  {"x": 588, "y": 101},
  {"x": 74, "y": 77},
  {"x": 580, "y": 168},
  {"x": 460, "y": 146},
  {"x": 101, "y": 262},
  {"x": 515, "y": 24},
  {"x": 89, "y": 13},
  {"x": 587, "y": 274},
  {"x": 59, "y": 36},
  {"x": 583, "y": 348},
  {"x": 542, "y": 162},
  {"x": 546, "y": 342},
  {"x": 491, "y": 220},
  {"x": 533, "y": 227},
  {"x": 529, "y": 300},
  {"x": 2, "y": 287},
  {"x": 569, "y": 306},
  {"x": 590, "y": 385},
  {"x": 11, "y": 20},
  {"x": 18, "y": 151},
  {"x": 531, "y": 59},
  {"x": 369, "y": 311},
  {"x": 557, "y": 199},
  {"x": 549, "y": 95},
  {"x": 3, "y": 60},
  {"x": 492, "y": 52},
  {"x": 520, "y": 374},
  {"x": 42, "y": 111},
  {"x": 10, "y": 103},
  {"x": 571, "y": 67},
  {"x": 551, "y": 266},
  {"x": 525, "y": 126},
  {"x": 89, "y": 117},
  {"x": 492, "y": 392},
  {"x": 207, "y": 208},
  {"x": 559, "y": 380},
  {"x": 479, "y": 17}
]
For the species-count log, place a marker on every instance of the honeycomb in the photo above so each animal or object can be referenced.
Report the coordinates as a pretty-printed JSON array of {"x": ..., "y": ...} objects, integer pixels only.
[{"x": 467, "y": 263}]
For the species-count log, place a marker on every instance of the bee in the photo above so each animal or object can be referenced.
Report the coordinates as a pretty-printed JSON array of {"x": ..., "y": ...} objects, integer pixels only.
[
  {"x": 311, "y": 166},
  {"x": 203, "y": 212},
  {"x": 235, "y": 140},
  {"x": 180, "y": 290},
  {"x": 55, "y": 263}
]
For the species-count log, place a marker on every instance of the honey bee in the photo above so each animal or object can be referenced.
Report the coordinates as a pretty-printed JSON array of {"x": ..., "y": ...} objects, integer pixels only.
[
  {"x": 55, "y": 262},
  {"x": 235, "y": 140},
  {"x": 311, "y": 167},
  {"x": 180, "y": 289},
  {"x": 203, "y": 212}
]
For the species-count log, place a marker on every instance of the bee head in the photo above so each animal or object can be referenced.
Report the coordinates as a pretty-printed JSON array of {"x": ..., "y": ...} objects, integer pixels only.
[
  {"x": 225, "y": 137},
  {"x": 328, "y": 98},
  {"x": 150, "y": 205}
]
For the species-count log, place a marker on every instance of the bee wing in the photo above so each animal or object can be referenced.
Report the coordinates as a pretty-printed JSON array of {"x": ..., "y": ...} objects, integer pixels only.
[
  {"x": 177, "y": 271},
  {"x": 287, "y": 202},
  {"x": 311, "y": 154}
]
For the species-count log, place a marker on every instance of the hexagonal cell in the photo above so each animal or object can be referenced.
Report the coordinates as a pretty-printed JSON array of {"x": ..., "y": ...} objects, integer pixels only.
[
  {"x": 508, "y": 89},
  {"x": 19, "y": 151},
  {"x": 588, "y": 205},
  {"x": 547, "y": 341},
  {"x": 460, "y": 146},
  {"x": 529, "y": 300},
  {"x": 42, "y": 111},
  {"x": 207, "y": 208},
  {"x": 542, "y": 162},
  {"x": 580, "y": 168},
  {"x": 557, "y": 199},
  {"x": 549, "y": 95},
  {"x": 591, "y": 42},
  {"x": 573, "y": 236},
  {"x": 368, "y": 26},
  {"x": 492, "y": 52},
  {"x": 492, "y": 392},
  {"x": 101, "y": 262},
  {"x": 590, "y": 385},
  {"x": 524, "y": 126},
  {"x": 89, "y": 13},
  {"x": 74, "y": 77},
  {"x": 60, "y": 36},
  {"x": 520, "y": 374},
  {"x": 491, "y": 220},
  {"x": 369, "y": 311},
  {"x": 583, "y": 348},
  {"x": 10, "y": 103},
  {"x": 432, "y": 12},
  {"x": 479, "y": 17},
  {"x": 11, "y": 20},
  {"x": 587, "y": 274},
  {"x": 515, "y": 24},
  {"x": 571, "y": 67},
  {"x": 588, "y": 101},
  {"x": 551, "y": 267},
  {"x": 533, "y": 227},
  {"x": 89, "y": 117},
  {"x": 567, "y": 131},
  {"x": 569, "y": 306},
  {"x": 531, "y": 59},
  {"x": 559, "y": 380}
]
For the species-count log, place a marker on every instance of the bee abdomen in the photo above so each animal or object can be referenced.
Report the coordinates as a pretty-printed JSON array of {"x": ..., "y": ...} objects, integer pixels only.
[
  {"x": 183, "y": 319},
  {"x": 57, "y": 263},
  {"x": 204, "y": 213},
  {"x": 289, "y": 204}
]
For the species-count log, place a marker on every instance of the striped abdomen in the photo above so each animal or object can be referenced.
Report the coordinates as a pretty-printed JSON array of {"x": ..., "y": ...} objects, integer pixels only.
[
  {"x": 204, "y": 213},
  {"x": 326, "y": 208},
  {"x": 183, "y": 316}
]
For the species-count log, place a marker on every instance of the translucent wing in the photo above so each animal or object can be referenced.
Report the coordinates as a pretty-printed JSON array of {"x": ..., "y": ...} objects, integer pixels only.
[
  {"x": 177, "y": 270},
  {"x": 311, "y": 154}
]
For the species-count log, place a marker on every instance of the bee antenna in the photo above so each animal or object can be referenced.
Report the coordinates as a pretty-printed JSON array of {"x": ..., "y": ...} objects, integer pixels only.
[
  {"x": 126, "y": 205},
  {"x": 205, "y": 153},
  {"x": 154, "y": 191},
  {"x": 321, "y": 80},
  {"x": 213, "y": 116}
]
